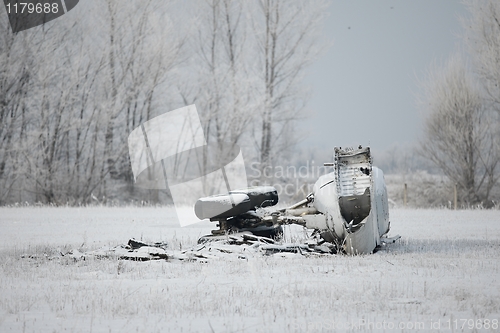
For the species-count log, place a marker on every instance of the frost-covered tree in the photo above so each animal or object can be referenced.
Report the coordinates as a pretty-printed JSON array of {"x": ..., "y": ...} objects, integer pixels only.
[
  {"x": 286, "y": 34},
  {"x": 459, "y": 136},
  {"x": 223, "y": 85}
]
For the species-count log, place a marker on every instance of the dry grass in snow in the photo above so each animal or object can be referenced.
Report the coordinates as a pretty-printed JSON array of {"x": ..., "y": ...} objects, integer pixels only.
[{"x": 445, "y": 270}]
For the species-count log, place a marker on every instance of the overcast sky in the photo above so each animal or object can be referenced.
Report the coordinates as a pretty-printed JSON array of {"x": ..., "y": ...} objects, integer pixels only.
[{"x": 364, "y": 87}]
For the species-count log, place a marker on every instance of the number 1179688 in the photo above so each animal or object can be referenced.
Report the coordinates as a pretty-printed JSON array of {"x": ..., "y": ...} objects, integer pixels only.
[{"x": 31, "y": 8}]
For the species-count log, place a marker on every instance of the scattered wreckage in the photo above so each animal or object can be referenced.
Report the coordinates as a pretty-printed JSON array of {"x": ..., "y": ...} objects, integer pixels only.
[
  {"x": 240, "y": 246},
  {"x": 347, "y": 209}
]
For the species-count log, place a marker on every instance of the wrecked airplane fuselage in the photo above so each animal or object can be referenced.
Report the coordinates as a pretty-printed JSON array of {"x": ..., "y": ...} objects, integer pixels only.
[{"x": 352, "y": 201}]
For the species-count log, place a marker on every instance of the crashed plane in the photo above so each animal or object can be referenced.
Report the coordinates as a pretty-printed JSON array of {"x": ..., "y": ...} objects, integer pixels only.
[{"x": 348, "y": 207}]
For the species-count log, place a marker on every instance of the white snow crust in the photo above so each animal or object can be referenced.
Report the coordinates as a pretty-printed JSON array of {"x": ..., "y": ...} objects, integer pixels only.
[{"x": 444, "y": 270}]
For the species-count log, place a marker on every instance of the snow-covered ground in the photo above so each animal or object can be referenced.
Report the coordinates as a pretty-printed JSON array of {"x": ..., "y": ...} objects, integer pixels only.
[{"x": 443, "y": 276}]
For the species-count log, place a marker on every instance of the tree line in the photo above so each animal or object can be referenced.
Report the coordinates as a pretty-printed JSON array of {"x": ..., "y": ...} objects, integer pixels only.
[{"x": 73, "y": 89}]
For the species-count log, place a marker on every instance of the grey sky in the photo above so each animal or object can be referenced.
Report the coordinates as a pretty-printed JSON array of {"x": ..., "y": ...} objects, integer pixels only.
[{"x": 365, "y": 85}]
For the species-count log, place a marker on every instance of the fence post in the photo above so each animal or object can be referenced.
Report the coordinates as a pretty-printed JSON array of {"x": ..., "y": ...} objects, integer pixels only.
[
  {"x": 455, "y": 196},
  {"x": 405, "y": 195}
]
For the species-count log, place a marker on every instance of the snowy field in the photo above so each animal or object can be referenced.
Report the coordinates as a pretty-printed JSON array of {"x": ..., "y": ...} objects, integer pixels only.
[{"x": 443, "y": 276}]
